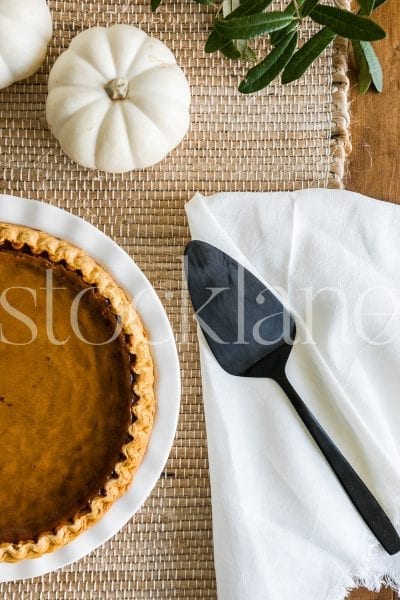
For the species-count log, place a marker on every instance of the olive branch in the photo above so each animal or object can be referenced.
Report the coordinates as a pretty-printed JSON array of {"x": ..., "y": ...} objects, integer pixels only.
[{"x": 238, "y": 22}]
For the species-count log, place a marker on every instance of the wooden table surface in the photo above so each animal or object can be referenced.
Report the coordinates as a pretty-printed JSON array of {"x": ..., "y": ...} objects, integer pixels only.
[{"x": 374, "y": 165}]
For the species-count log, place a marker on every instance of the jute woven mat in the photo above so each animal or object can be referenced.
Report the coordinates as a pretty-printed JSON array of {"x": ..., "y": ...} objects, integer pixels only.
[{"x": 283, "y": 138}]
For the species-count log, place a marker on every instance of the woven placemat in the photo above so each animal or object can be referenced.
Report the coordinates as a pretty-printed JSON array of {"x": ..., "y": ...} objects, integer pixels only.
[{"x": 282, "y": 139}]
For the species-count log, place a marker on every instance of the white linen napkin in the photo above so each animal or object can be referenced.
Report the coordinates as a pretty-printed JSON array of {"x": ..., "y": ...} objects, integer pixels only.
[{"x": 283, "y": 526}]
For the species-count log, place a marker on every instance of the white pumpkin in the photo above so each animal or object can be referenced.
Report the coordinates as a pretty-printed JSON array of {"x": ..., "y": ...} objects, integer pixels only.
[
  {"x": 117, "y": 99},
  {"x": 25, "y": 31}
]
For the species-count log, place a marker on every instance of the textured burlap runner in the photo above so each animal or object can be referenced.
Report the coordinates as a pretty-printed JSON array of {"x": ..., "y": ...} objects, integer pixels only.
[{"x": 284, "y": 138}]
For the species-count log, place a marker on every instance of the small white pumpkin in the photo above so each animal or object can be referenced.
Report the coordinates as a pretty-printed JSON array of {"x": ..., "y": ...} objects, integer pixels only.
[
  {"x": 117, "y": 99},
  {"x": 25, "y": 31}
]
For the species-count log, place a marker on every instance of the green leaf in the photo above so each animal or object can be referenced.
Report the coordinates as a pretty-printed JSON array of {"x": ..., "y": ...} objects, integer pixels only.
[
  {"x": 249, "y": 55},
  {"x": 374, "y": 66},
  {"x": 230, "y": 50},
  {"x": 346, "y": 24},
  {"x": 366, "y": 6},
  {"x": 364, "y": 77},
  {"x": 216, "y": 41},
  {"x": 281, "y": 35},
  {"x": 378, "y": 3},
  {"x": 303, "y": 58},
  {"x": 292, "y": 7},
  {"x": 241, "y": 45},
  {"x": 308, "y": 6},
  {"x": 277, "y": 36},
  {"x": 249, "y": 7},
  {"x": 235, "y": 49},
  {"x": 245, "y": 28},
  {"x": 262, "y": 74},
  {"x": 155, "y": 4}
]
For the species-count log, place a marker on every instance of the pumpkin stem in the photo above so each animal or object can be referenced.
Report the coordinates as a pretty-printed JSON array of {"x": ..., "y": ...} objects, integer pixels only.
[{"x": 118, "y": 88}]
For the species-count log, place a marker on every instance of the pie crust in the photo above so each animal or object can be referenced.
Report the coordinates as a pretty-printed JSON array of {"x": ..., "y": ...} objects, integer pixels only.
[{"x": 40, "y": 243}]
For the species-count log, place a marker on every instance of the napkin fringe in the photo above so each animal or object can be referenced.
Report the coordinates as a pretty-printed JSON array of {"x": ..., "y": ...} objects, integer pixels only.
[
  {"x": 373, "y": 578},
  {"x": 375, "y": 574},
  {"x": 373, "y": 583}
]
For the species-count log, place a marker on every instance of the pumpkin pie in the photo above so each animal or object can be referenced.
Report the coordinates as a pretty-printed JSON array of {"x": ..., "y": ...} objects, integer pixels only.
[{"x": 76, "y": 392}]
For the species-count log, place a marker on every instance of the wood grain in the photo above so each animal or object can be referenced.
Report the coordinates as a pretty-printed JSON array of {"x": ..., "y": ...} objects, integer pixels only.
[
  {"x": 363, "y": 594},
  {"x": 374, "y": 165}
]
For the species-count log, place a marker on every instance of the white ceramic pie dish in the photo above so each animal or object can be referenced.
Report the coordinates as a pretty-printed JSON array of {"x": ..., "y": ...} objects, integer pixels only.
[{"x": 126, "y": 273}]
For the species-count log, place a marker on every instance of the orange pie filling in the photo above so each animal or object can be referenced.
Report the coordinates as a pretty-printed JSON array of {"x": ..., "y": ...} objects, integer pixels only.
[{"x": 69, "y": 402}]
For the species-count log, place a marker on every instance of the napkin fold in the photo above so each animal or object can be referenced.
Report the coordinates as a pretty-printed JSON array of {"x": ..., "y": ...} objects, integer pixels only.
[{"x": 283, "y": 526}]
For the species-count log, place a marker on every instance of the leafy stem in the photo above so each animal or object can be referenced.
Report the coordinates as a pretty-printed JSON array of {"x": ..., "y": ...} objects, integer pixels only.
[
  {"x": 238, "y": 22},
  {"x": 297, "y": 10}
]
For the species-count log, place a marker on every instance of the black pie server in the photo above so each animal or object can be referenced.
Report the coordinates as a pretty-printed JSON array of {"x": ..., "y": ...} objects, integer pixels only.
[{"x": 251, "y": 334}]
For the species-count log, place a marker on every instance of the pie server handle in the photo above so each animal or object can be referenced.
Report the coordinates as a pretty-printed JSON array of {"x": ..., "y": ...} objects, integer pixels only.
[{"x": 365, "y": 503}]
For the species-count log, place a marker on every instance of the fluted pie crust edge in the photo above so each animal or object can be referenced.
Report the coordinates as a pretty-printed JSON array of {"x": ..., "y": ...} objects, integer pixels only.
[{"x": 143, "y": 409}]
